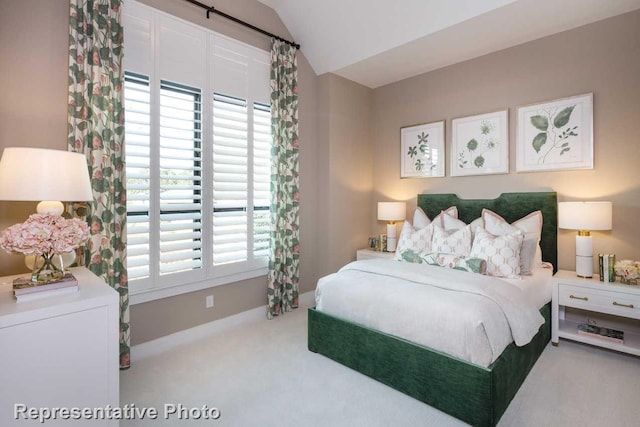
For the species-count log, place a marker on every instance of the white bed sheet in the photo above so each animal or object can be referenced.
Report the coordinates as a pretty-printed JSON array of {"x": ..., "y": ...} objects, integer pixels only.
[
  {"x": 536, "y": 287},
  {"x": 454, "y": 323}
]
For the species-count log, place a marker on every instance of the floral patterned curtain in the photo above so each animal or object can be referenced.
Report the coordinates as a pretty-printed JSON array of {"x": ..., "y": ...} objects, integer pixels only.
[
  {"x": 284, "y": 263},
  {"x": 96, "y": 128}
]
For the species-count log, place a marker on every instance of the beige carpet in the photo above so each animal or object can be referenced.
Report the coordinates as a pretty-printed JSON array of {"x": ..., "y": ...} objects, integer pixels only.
[{"x": 261, "y": 374}]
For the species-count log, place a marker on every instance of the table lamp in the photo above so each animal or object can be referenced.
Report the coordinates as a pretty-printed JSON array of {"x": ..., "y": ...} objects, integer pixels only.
[
  {"x": 46, "y": 176},
  {"x": 392, "y": 212},
  {"x": 584, "y": 217}
]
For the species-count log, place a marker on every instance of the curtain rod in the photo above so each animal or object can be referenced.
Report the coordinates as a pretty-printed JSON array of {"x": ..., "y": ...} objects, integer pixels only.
[{"x": 211, "y": 9}]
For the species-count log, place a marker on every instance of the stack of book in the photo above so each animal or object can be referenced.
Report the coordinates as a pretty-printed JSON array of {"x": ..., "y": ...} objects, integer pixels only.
[
  {"x": 606, "y": 334},
  {"x": 26, "y": 290},
  {"x": 605, "y": 264}
]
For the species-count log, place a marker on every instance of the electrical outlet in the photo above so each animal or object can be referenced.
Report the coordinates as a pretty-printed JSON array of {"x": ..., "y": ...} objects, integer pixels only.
[{"x": 209, "y": 301}]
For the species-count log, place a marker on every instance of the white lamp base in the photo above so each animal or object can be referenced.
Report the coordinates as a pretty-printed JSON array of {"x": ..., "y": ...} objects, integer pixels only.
[
  {"x": 50, "y": 207},
  {"x": 584, "y": 256},
  {"x": 391, "y": 237}
]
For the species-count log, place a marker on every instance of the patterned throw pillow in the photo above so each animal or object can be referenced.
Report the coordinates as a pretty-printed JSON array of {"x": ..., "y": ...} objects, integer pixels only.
[
  {"x": 414, "y": 240},
  {"x": 502, "y": 253},
  {"x": 455, "y": 242},
  {"x": 530, "y": 225},
  {"x": 456, "y": 262},
  {"x": 453, "y": 261}
]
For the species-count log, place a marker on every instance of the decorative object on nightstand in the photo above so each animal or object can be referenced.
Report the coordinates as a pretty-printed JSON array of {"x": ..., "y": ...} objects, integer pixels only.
[
  {"x": 49, "y": 177},
  {"x": 46, "y": 235},
  {"x": 628, "y": 271},
  {"x": 584, "y": 217},
  {"x": 392, "y": 212}
]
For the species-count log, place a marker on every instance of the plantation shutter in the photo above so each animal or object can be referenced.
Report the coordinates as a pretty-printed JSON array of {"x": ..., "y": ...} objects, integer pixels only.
[
  {"x": 180, "y": 178},
  {"x": 230, "y": 183},
  {"x": 137, "y": 159},
  {"x": 261, "y": 178}
]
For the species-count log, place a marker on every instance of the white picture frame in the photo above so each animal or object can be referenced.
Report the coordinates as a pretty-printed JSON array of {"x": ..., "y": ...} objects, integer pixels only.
[
  {"x": 555, "y": 135},
  {"x": 480, "y": 144},
  {"x": 422, "y": 150}
]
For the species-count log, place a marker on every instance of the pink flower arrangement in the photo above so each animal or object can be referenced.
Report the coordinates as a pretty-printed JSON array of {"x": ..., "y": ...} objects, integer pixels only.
[
  {"x": 44, "y": 234},
  {"x": 627, "y": 269}
]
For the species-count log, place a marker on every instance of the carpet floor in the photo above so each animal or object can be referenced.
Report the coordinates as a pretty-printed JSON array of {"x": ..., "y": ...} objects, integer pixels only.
[{"x": 261, "y": 374}]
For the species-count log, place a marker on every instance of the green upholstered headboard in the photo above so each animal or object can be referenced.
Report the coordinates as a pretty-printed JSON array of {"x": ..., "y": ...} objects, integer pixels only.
[{"x": 511, "y": 206}]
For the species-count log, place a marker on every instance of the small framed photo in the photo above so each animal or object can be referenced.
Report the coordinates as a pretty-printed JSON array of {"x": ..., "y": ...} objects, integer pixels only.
[
  {"x": 480, "y": 144},
  {"x": 422, "y": 150},
  {"x": 555, "y": 135}
]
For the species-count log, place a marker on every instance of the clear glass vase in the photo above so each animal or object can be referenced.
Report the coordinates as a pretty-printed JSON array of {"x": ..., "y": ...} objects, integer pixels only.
[{"x": 46, "y": 270}]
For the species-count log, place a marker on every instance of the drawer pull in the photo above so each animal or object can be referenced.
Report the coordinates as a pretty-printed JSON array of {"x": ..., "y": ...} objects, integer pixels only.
[
  {"x": 623, "y": 305},
  {"x": 582, "y": 298}
]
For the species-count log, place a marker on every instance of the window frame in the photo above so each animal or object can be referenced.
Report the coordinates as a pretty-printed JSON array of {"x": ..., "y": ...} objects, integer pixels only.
[{"x": 158, "y": 286}]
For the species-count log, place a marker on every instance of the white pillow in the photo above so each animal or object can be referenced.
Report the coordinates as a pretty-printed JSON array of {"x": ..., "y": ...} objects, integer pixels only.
[
  {"x": 530, "y": 225},
  {"x": 414, "y": 240},
  {"x": 454, "y": 242},
  {"x": 502, "y": 253},
  {"x": 451, "y": 223},
  {"x": 421, "y": 220}
]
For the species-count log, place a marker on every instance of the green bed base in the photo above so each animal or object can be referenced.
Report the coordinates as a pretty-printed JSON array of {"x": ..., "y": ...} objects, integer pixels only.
[
  {"x": 471, "y": 393},
  {"x": 476, "y": 395}
]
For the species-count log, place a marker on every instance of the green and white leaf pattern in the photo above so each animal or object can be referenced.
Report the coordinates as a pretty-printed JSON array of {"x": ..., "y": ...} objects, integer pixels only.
[
  {"x": 477, "y": 148},
  {"x": 549, "y": 140},
  {"x": 284, "y": 251},
  {"x": 96, "y": 128}
]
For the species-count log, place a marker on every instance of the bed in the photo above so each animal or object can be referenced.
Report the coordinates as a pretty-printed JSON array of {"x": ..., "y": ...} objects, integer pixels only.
[{"x": 475, "y": 394}]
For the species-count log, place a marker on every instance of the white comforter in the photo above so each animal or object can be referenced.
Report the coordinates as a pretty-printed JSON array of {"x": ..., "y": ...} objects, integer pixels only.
[{"x": 469, "y": 316}]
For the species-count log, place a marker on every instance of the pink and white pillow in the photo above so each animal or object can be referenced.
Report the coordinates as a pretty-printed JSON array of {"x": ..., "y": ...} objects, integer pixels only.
[
  {"x": 414, "y": 240},
  {"x": 530, "y": 225},
  {"x": 417, "y": 237},
  {"x": 452, "y": 242},
  {"x": 502, "y": 253}
]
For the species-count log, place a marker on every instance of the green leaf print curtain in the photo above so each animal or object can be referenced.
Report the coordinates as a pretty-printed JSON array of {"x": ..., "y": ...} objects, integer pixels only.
[
  {"x": 96, "y": 128},
  {"x": 284, "y": 263}
]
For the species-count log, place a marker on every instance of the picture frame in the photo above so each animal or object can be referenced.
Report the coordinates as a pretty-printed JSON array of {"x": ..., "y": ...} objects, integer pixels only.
[
  {"x": 480, "y": 144},
  {"x": 422, "y": 150},
  {"x": 555, "y": 135}
]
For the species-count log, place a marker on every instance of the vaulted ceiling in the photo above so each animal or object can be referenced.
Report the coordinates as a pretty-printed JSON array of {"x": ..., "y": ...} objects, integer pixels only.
[{"x": 377, "y": 42}]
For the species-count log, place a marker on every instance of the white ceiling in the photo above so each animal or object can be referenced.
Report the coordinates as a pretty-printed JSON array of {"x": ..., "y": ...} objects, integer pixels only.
[{"x": 377, "y": 42}]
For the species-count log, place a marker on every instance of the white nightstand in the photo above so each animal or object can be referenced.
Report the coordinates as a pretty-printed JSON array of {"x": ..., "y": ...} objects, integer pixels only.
[
  {"x": 60, "y": 351},
  {"x": 370, "y": 253},
  {"x": 592, "y": 295}
]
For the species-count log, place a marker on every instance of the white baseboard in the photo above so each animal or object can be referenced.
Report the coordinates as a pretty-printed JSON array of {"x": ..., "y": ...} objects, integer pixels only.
[{"x": 168, "y": 342}]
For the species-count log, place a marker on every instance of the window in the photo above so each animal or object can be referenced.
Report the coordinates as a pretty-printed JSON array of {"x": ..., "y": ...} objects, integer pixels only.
[{"x": 197, "y": 151}]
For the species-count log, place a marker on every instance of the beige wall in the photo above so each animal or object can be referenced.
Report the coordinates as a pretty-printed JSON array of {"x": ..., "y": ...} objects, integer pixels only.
[
  {"x": 345, "y": 170},
  {"x": 33, "y": 88},
  {"x": 603, "y": 58},
  {"x": 33, "y": 75}
]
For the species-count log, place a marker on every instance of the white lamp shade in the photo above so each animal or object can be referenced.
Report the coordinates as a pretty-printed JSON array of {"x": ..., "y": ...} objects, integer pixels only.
[
  {"x": 392, "y": 211},
  {"x": 35, "y": 174},
  {"x": 586, "y": 216}
]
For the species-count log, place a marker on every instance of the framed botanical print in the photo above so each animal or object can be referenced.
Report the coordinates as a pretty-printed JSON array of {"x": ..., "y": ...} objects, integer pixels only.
[
  {"x": 480, "y": 144},
  {"x": 555, "y": 135},
  {"x": 422, "y": 150}
]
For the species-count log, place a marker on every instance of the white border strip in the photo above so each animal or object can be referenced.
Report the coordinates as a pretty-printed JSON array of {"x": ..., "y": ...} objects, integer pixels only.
[{"x": 169, "y": 342}]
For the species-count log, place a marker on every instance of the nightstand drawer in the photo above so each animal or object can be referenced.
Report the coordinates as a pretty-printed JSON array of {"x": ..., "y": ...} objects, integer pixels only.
[{"x": 604, "y": 300}]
